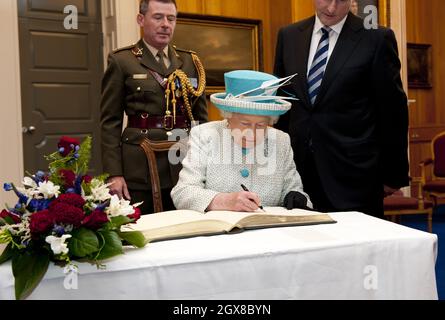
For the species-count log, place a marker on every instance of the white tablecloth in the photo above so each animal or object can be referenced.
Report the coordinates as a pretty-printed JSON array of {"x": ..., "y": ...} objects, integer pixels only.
[{"x": 360, "y": 257}]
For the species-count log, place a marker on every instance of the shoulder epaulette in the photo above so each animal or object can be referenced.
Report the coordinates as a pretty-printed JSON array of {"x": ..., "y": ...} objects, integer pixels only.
[
  {"x": 184, "y": 50},
  {"x": 125, "y": 48}
]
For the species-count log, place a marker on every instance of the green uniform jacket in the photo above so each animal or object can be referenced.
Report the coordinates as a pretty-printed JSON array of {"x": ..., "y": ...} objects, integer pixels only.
[{"x": 125, "y": 88}]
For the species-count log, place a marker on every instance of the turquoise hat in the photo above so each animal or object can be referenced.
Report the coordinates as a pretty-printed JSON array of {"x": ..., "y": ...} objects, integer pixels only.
[{"x": 251, "y": 92}]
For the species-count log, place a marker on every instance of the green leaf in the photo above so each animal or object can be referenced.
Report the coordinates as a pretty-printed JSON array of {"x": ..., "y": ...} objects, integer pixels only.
[
  {"x": 107, "y": 227},
  {"x": 83, "y": 243},
  {"x": 135, "y": 238},
  {"x": 7, "y": 254},
  {"x": 112, "y": 245},
  {"x": 86, "y": 187},
  {"x": 84, "y": 155},
  {"x": 28, "y": 269},
  {"x": 120, "y": 220},
  {"x": 103, "y": 177},
  {"x": 7, "y": 220}
]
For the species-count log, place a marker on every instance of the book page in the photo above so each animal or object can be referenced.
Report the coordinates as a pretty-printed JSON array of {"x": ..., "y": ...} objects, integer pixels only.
[
  {"x": 186, "y": 223},
  {"x": 271, "y": 216},
  {"x": 284, "y": 211},
  {"x": 178, "y": 224},
  {"x": 234, "y": 216}
]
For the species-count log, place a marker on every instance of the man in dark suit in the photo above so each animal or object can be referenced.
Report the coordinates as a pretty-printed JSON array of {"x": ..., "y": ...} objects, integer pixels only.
[
  {"x": 135, "y": 83},
  {"x": 349, "y": 126}
]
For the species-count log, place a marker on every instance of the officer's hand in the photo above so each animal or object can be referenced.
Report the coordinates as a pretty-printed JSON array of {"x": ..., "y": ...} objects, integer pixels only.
[
  {"x": 295, "y": 199},
  {"x": 119, "y": 187},
  {"x": 243, "y": 201}
]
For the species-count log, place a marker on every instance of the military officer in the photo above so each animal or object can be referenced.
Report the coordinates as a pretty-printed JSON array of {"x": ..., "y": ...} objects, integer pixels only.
[{"x": 160, "y": 88}]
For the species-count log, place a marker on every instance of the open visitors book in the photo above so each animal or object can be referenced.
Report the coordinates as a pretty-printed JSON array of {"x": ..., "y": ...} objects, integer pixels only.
[{"x": 188, "y": 223}]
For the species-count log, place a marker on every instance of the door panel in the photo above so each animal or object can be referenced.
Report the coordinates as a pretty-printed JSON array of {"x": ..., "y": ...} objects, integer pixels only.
[
  {"x": 61, "y": 71},
  {"x": 88, "y": 10}
]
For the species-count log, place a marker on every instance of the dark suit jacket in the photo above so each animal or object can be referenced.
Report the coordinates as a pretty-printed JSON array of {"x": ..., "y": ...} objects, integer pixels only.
[
  {"x": 358, "y": 124},
  {"x": 122, "y": 91}
]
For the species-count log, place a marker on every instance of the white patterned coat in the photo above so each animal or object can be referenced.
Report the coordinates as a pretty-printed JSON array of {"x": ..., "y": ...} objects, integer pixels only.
[{"x": 214, "y": 163}]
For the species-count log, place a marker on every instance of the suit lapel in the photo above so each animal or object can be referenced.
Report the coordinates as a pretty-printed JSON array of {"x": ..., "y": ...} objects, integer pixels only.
[
  {"x": 175, "y": 60},
  {"x": 148, "y": 60},
  {"x": 303, "y": 57},
  {"x": 301, "y": 42},
  {"x": 346, "y": 43}
]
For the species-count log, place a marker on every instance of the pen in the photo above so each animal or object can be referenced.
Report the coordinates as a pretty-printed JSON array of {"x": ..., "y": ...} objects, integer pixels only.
[{"x": 245, "y": 189}]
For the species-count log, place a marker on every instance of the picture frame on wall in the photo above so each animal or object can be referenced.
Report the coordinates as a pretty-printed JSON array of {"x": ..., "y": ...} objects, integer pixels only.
[
  {"x": 419, "y": 65},
  {"x": 223, "y": 44}
]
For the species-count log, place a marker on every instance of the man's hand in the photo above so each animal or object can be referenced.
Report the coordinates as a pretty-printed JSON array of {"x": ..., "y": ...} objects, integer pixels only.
[
  {"x": 236, "y": 201},
  {"x": 388, "y": 191},
  {"x": 119, "y": 187}
]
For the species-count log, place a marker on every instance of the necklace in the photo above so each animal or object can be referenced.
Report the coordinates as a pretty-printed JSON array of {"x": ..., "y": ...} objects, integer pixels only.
[{"x": 245, "y": 173}]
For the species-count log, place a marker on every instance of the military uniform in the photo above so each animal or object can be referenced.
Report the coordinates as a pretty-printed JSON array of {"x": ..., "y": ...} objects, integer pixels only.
[{"x": 129, "y": 85}]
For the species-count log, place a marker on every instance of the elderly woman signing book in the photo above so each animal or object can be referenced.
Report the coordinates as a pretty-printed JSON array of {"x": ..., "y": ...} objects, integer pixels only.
[{"x": 241, "y": 163}]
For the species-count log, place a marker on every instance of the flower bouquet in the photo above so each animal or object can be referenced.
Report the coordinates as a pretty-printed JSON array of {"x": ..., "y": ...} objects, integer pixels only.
[{"x": 63, "y": 215}]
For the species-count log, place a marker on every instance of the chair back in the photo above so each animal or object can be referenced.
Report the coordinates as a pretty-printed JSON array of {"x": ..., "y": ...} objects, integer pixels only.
[
  {"x": 151, "y": 148},
  {"x": 438, "y": 145}
]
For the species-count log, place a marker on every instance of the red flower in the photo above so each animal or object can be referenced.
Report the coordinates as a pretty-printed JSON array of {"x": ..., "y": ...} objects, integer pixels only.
[
  {"x": 72, "y": 199},
  {"x": 41, "y": 222},
  {"x": 6, "y": 214},
  {"x": 95, "y": 220},
  {"x": 67, "y": 144},
  {"x": 87, "y": 178},
  {"x": 67, "y": 214},
  {"x": 68, "y": 177},
  {"x": 136, "y": 215}
]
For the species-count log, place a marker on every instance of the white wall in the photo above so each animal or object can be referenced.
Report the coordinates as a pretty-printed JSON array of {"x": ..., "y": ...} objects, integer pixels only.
[
  {"x": 398, "y": 24},
  {"x": 119, "y": 26},
  {"x": 128, "y": 31},
  {"x": 11, "y": 160}
]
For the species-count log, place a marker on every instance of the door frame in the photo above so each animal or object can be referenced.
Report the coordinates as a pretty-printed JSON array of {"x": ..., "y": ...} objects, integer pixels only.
[
  {"x": 11, "y": 140},
  {"x": 11, "y": 143}
]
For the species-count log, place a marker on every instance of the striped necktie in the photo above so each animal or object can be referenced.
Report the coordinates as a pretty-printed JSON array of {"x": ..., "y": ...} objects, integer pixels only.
[{"x": 318, "y": 66}]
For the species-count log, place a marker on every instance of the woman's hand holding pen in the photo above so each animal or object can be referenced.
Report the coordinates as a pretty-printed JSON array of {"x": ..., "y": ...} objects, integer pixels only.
[{"x": 244, "y": 201}]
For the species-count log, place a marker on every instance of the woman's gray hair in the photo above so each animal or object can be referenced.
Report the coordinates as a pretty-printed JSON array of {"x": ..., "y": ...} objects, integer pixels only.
[{"x": 227, "y": 115}]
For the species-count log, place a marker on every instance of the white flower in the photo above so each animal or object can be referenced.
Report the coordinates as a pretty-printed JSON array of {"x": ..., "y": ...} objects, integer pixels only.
[
  {"x": 119, "y": 207},
  {"x": 27, "y": 181},
  {"x": 99, "y": 191},
  {"x": 47, "y": 189},
  {"x": 58, "y": 245},
  {"x": 20, "y": 230},
  {"x": 29, "y": 192}
]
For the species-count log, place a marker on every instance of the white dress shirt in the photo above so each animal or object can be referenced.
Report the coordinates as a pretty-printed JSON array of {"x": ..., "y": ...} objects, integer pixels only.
[{"x": 316, "y": 36}]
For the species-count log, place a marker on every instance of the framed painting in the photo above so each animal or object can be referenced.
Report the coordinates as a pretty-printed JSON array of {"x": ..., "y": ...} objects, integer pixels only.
[
  {"x": 223, "y": 44},
  {"x": 419, "y": 66},
  {"x": 383, "y": 8}
]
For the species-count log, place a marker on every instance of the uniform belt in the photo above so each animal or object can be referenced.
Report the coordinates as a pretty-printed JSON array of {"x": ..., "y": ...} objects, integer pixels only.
[{"x": 146, "y": 121}]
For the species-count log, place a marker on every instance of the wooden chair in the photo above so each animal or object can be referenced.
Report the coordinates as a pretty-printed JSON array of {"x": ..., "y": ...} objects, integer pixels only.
[
  {"x": 397, "y": 205},
  {"x": 433, "y": 182},
  {"x": 151, "y": 148}
]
